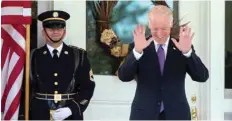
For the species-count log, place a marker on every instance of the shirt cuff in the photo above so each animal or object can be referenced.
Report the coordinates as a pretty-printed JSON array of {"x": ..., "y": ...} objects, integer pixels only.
[
  {"x": 188, "y": 54},
  {"x": 137, "y": 55}
]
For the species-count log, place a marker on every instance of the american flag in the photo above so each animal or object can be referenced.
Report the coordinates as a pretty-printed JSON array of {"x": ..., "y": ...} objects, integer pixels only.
[{"x": 14, "y": 16}]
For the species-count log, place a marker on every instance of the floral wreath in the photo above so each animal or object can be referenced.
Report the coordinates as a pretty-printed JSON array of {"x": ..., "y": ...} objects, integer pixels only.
[{"x": 117, "y": 49}]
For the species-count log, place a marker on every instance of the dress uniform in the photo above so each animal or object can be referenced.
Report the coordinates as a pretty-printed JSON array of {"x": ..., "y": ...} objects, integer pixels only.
[{"x": 62, "y": 80}]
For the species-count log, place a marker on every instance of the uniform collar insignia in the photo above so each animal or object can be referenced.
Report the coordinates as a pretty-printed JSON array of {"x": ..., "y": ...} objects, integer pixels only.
[
  {"x": 44, "y": 52},
  {"x": 66, "y": 52}
]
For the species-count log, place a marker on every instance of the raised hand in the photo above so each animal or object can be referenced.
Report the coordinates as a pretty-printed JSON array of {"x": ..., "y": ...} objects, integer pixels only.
[
  {"x": 185, "y": 40},
  {"x": 139, "y": 39}
]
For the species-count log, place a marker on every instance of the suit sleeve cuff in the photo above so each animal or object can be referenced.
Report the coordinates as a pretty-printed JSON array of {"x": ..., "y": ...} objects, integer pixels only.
[
  {"x": 188, "y": 54},
  {"x": 137, "y": 55}
]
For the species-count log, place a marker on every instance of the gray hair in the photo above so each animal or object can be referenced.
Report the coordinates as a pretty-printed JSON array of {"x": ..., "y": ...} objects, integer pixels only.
[{"x": 160, "y": 10}]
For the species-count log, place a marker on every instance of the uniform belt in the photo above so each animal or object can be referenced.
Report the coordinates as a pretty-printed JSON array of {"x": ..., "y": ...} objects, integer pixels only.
[{"x": 56, "y": 97}]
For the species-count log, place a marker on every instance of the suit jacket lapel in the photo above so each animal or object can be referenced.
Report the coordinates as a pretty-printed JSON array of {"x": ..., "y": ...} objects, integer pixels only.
[
  {"x": 153, "y": 57},
  {"x": 169, "y": 57}
]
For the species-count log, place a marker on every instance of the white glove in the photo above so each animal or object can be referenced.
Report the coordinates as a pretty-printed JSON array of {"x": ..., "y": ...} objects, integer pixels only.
[{"x": 61, "y": 113}]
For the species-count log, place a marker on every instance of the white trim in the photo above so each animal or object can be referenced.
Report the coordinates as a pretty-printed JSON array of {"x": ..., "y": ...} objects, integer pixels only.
[
  {"x": 204, "y": 89},
  {"x": 227, "y": 104},
  {"x": 217, "y": 44}
]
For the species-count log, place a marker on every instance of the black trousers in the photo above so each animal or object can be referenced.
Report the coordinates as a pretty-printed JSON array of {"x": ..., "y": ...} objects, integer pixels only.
[{"x": 162, "y": 115}]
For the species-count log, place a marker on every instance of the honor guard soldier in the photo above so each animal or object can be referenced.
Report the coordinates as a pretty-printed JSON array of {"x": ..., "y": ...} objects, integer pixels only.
[{"x": 61, "y": 76}]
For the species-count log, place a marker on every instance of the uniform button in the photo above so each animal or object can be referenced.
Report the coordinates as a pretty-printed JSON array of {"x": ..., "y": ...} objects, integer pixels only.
[
  {"x": 56, "y": 92},
  {"x": 55, "y": 74},
  {"x": 55, "y": 83}
]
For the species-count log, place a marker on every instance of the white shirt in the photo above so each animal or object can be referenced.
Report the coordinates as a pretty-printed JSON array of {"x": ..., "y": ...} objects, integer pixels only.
[
  {"x": 165, "y": 47},
  {"x": 50, "y": 48}
]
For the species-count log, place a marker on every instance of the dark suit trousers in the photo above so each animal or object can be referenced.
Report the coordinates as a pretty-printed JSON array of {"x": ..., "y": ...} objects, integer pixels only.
[{"x": 162, "y": 115}]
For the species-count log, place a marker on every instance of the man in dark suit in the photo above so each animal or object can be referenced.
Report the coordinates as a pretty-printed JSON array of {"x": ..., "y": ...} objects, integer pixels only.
[
  {"x": 159, "y": 66},
  {"x": 61, "y": 76}
]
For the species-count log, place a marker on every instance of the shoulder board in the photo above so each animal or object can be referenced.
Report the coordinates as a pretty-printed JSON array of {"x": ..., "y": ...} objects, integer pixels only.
[
  {"x": 75, "y": 47},
  {"x": 82, "y": 52}
]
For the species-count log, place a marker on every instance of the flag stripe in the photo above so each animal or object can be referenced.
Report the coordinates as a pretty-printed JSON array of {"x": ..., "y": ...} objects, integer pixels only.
[
  {"x": 6, "y": 11},
  {"x": 11, "y": 80},
  {"x": 21, "y": 31},
  {"x": 14, "y": 98},
  {"x": 18, "y": 66},
  {"x": 6, "y": 44},
  {"x": 14, "y": 105},
  {"x": 14, "y": 16},
  {"x": 16, "y": 12},
  {"x": 10, "y": 41},
  {"x": 5, "y": 50},
  {"x": 15, "y": 45},
  {"x": 25, "y": 4},
  {"x": 15, "y": 116},
  {"x": 15, "y": 19},
  {"x": 15, "y": 35},
  {"x": 4, "y": 81}
]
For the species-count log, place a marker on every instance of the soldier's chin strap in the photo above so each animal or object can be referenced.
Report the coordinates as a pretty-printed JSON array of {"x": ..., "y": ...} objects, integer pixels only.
[{"x": 51, "y": 38}]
